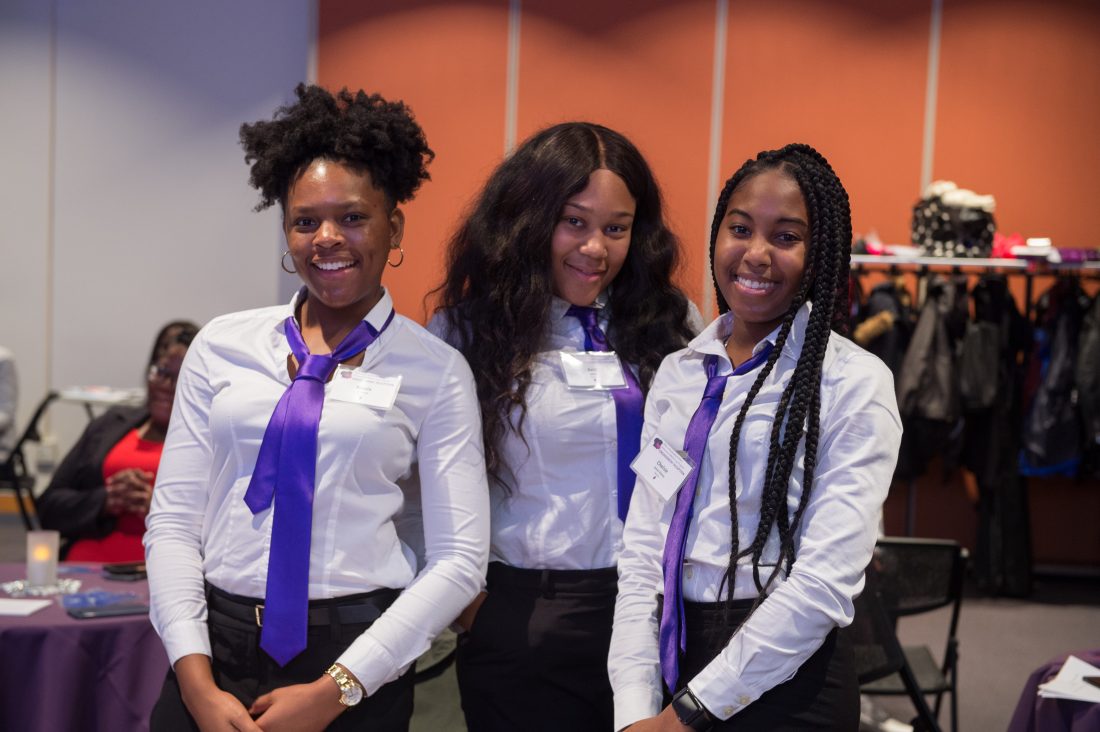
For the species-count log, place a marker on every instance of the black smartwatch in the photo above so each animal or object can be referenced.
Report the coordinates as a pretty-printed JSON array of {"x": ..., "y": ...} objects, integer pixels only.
[{"x": 691, "y": 712}]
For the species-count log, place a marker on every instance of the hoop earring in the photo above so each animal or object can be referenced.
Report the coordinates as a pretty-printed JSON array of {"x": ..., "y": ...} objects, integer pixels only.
[
  {"x": 401, "y": 250},
  {"x": 282, "y": 263}
]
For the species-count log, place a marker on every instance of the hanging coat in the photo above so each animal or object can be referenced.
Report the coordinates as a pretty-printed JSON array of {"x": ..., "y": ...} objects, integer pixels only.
[
  {"x": 886, "y": 325},
  {"x": 991, "y": 378},
  {"x": 1052, "y": 428},
  {"x": 927, "y": 387},
  {"x": 1087, "y": 375}
]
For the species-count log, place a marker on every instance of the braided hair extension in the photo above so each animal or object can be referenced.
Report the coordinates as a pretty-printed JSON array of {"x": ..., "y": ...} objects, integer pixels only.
[
  {"x": 364, "y": 132},
  {"x": 824, "y": 284},
  {"x": 497, "y": 291}
]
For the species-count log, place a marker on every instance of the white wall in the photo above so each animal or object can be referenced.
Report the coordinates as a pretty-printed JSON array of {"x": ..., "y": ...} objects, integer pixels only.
[
  {"x": 24, "y": 192},
  {"x": 123, "y": 190}
]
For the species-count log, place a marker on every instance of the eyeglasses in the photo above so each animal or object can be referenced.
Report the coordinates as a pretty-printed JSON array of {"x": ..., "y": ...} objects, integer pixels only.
[{"x": 160, "y": 373}]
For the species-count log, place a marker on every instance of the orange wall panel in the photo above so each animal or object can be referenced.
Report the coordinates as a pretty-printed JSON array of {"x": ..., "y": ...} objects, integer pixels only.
[
  {"x": 1018, "y": 96},
  {"x": 448, "y": 62},
  {"x": 1019, "y": 104},
  {"x": 642, "y": 68},
  {"x": 847, "y": 78}
]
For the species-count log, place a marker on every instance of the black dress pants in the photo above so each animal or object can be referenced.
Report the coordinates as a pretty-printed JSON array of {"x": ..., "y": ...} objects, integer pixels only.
[
  {"x": 822, "y": 695},
  {"x": 536, "y": 656},
  {"x": 243, "y": 669}
]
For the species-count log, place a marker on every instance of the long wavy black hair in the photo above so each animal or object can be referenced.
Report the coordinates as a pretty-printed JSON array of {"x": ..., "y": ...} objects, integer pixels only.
[
  {"x": 497, "y": 291},
  {"x": 825, "y": 284}
]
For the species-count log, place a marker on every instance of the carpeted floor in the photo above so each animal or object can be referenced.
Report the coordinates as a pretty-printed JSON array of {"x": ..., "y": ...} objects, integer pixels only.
[{"x": 1001, "y": 642}]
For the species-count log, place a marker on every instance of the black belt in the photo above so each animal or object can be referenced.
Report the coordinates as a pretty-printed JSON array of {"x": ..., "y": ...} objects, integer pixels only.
[
  {"x": 348, "y": 610},
  {"x": 710, "y": 611},
  {"x": 549, "y": 581}
]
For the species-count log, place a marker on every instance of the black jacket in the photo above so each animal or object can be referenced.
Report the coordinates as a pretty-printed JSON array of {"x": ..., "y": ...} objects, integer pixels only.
[
  {"x": 1088, "y": 374},
  {"x": 73, "y": 501},
  {"x": 1053, "y": 429}
]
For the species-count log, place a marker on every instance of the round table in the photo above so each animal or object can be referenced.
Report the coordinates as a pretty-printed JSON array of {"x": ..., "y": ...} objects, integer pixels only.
[
  {"x": 1035, "y": 713},
  {"x": 58, "y": 673}
]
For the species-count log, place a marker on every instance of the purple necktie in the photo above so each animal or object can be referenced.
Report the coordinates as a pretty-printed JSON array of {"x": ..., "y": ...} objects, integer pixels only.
[
  {"x": 285, "y": 471},
  {"x": 673, "y": 633},
  {"x": 628, "y": 406}
]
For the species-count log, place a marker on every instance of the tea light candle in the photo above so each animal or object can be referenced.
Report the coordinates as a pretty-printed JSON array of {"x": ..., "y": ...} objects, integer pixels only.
[{"x": 42, "y": 549}]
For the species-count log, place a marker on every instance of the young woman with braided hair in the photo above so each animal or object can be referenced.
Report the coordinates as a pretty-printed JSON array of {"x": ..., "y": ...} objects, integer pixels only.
[{"x": 732, "y": 584}]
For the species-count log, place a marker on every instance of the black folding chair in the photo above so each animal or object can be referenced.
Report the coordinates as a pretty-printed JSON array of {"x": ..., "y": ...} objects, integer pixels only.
[
  {"x": 907, "y": 577},
  {"x": 14, "y": 473}
]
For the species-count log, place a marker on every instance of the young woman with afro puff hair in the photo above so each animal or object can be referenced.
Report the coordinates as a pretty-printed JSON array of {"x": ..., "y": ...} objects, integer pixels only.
[
  {"x": 561, "y": 270},
  {"x": 732, "y": 585},
  {"x": 284, "y": 593}
]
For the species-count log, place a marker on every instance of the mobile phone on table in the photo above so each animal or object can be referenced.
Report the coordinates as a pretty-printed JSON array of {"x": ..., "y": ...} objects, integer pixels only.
[
  {"x": 125, "y": 571},
  {"x": 108, "y": 611}
]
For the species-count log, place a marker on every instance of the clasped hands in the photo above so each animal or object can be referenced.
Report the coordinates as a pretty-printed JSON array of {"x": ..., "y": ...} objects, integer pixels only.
[
  {"x": 129, "y": 491},
  {"x": 309, "y": 707}
]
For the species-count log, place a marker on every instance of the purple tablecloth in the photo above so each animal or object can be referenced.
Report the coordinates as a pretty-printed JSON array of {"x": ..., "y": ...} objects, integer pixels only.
[
  {"x": 57, "y": 673},
  {"x": 1041, "y": 714}
]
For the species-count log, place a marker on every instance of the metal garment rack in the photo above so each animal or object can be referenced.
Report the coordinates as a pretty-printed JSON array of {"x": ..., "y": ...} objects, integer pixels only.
[{"x": 1028, "y": 268}]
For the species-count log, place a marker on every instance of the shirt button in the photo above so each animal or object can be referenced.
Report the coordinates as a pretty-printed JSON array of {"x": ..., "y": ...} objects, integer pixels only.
[
  {"x": 689, "y": 571},
  {"x": 728, "y": 711},
  {"x": 744, "y": 701}
]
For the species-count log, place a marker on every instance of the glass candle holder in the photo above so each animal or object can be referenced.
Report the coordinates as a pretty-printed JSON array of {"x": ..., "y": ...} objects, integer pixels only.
[{"x": 42, "y": 549}]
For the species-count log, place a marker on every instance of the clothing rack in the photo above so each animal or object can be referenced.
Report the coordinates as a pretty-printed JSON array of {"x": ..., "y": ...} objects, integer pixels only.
[{"x": 1028, "y": 268}]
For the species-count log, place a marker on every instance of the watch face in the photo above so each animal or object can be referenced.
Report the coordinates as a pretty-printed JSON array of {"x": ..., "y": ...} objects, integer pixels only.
[
  {"x": 352, "y": 695},
  {"x": 689, "y": 711}
]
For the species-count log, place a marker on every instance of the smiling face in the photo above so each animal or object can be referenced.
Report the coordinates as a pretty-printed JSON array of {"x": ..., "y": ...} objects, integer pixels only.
[
  {"x": 339, "y": 230},
  {"x": 760, "y": 252},
  {"x": 591, "y": 239}
]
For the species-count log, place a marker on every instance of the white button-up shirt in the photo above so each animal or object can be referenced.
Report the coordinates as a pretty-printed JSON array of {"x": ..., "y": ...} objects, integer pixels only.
[
  {"x": 559, "y": 509},
  {"x": 375, "y": 470},
  {"x": 858, "y": 447}
]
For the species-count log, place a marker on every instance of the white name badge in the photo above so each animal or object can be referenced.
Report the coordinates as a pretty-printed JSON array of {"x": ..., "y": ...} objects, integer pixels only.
[
  {"x": 662, "y": 467},
  {"x": 360, "y": 387},
  {"x": 592, "y": 370}
]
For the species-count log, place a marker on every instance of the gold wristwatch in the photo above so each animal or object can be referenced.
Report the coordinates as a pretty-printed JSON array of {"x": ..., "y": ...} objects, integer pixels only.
[{"x": 351, "y": 693}]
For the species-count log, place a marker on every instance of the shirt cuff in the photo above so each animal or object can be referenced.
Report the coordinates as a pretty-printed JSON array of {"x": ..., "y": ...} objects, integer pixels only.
[
  {"x": 185, "y": 638},
  {"x": 369, "y": 662},
  {"x": 636, "y": 702},
  {"x": 721, "y": 690}
]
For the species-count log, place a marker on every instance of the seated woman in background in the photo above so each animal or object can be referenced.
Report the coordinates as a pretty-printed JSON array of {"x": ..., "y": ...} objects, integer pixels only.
[{"x": 100, "y": 493}]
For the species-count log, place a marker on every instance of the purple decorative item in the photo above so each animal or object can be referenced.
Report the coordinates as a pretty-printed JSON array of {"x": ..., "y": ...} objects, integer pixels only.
[
  {"x": 673, "y": 631},
  {"x": 288, "y": 476},
  {"x": 628, "y": 407}
]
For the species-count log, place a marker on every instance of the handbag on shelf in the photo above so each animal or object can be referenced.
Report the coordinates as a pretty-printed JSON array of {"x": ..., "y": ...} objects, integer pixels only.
[{"x": 950, "y": 221}]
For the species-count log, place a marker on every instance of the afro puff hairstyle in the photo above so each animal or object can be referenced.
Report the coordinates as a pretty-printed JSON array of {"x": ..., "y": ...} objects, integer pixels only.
[{"x": 364, "y": 132}]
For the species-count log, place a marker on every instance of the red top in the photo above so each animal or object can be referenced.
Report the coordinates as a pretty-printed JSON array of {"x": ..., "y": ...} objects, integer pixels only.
[{"x": 124, "y": 543}]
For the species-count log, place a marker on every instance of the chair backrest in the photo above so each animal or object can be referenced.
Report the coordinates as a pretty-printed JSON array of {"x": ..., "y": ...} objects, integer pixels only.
[
  {"x": 918, "y": 575},
  {"x": 14, "y": 471},
  {"x": 877, "y": 652},
  {"x": 875, "y": 646}
]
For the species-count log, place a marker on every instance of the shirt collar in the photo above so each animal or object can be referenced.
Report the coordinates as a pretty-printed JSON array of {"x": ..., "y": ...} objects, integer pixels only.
[
  {"x": 712, "y": 339},
  {"x": 559, "y": 307},
  {"x": 376, "y": 317}
]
